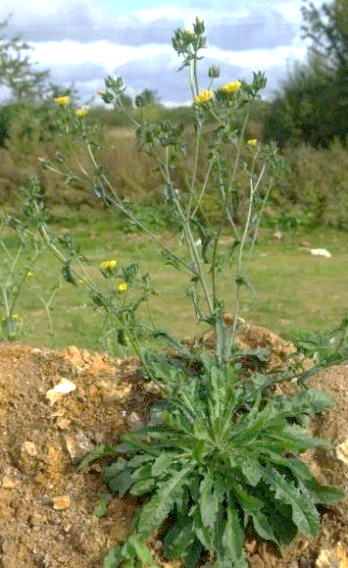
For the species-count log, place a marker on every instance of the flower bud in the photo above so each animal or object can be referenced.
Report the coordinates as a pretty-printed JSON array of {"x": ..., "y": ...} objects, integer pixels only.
[{"x": 214, "y": 71}]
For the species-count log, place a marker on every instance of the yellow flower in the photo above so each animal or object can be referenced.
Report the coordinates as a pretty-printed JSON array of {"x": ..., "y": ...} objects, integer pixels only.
[
  {"x": 16, "y": 317},
  {"x": 29, "y": 274},
  {"x": 122, "y": 287},
  {"x": 62, "y": 101},
  {"x": 81, "y": 112},
  {"x": 204, "y": 97},
  {"x": 252, "y": 142},
  {"x": 232, "y": 87},
  {"x": 108, "y": 264}
]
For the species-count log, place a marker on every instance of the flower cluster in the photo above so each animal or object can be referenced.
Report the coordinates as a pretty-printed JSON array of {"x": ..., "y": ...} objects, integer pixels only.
[
  {"x": 122, "y": 287},
  {"x": 204, "y": 97},
  {"x": 81, "y": 112},
  {"x": 108, "y": 264},
  {"x": 231, "y": 87},
  {"x": 252, "y": 142},
  {"x": 62, "y": 101}
]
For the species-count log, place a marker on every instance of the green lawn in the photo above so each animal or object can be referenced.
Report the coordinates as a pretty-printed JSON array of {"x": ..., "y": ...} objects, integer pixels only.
[{"x": 292, "y": 289}]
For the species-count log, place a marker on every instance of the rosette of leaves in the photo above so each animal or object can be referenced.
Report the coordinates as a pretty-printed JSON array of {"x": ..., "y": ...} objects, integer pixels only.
[
  {"x": 325, "y": 347},
  {"x": 219, "y": 458}
]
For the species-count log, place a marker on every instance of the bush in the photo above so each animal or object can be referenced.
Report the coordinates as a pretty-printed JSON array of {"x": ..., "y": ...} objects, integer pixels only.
[{"x": 315, "y": 184}]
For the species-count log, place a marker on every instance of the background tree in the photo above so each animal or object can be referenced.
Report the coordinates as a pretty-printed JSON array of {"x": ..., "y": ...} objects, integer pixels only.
[
  {"x": 312, "y": 105},
  {"x": 17, "y": 73},
  {"x": 147, "y": 97}
]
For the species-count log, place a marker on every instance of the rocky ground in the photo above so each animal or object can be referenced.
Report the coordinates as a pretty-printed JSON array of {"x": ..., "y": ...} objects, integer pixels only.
[{"x": 55, "y": 407}]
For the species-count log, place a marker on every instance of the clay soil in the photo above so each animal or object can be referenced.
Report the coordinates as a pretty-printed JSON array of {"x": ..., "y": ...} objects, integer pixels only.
[{"x": 47, "y": 504}]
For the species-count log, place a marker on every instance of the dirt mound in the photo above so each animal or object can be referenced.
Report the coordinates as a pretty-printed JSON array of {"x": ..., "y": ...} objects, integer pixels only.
[{"x": 54, "y": 407}]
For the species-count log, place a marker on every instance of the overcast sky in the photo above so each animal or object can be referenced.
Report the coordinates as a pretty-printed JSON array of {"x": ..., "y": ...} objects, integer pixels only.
[{"x": 81, "y": 41}]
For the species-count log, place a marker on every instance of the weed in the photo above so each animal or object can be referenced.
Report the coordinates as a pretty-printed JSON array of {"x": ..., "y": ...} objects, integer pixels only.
[
  {"x": 218, "y": 458},
  {"x": 220, "y": 452}
]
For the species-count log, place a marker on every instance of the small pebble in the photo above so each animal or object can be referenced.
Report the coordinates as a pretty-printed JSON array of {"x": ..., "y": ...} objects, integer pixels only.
[
  {"x": 60, "y": 503},
  {"x": 29, "y": 448}
]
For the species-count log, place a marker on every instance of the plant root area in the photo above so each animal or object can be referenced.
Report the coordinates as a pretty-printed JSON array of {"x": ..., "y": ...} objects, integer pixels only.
[{"x": 55, "y": 407}]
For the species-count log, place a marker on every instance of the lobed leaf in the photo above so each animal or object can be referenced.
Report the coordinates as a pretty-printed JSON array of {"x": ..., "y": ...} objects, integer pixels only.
[
  {"x": 304, "y": 513},
  {"x": 210, "y": 497},
  {"x": 233, "y": 539},
  {"x": 102, "y": 451},
  {"x": 160, "y": 505}
]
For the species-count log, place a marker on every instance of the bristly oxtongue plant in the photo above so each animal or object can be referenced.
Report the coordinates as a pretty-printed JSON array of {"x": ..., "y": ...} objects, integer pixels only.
[{"x": 218, "y": 457}]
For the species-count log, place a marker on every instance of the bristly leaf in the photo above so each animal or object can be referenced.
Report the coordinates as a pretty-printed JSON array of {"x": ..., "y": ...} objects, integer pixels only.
[
  {"x": 307, "y": 401},
  {"x": 113, "y": 558},
  {"x": 178, "y": 538},
  {"x": 161, "y": 504},
  {"x": 100, "y": 452},
  {"x": 101, "y": 508},
  {"x": 141, "y": 551},
  {"x": 304, "y": 513},
  {"x": 233, "y": 539},
  {"x": 68, "y": 275},
  {"x": 210, "y": 498}
]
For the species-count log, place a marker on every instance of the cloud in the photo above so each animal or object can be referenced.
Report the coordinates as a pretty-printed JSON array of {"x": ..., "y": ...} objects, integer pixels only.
[
  {"x": 259, "y": 30},
  {"x": 85, "y": 21},
  {"x": 80, "y": 72}
]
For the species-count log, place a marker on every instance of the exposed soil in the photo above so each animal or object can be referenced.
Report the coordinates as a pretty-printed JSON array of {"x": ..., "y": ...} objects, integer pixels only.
[{"x": 47, "y": 503}]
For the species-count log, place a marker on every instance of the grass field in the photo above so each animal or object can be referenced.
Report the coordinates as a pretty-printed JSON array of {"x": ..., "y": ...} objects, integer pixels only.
[{"x": 292, "y": 289}]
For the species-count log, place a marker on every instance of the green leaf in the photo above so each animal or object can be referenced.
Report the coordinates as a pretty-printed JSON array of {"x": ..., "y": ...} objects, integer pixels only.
[
  {"x": 304, "y": 513},
  {"x": 101, "y": 509},
  {"x": 172, "y": 341},
  {"x": 233, "y": 538},
  {"x": 162, "y": 464},
  {"x": 143, "y": 486},
  {"x": 323, "y": 494},
  {"x": 140, "y": 460},
  {"x": 293, "y": 438},
  {"x": 141, "y": 550},
  {"x": 193, "y": 555},
  {"x": 247, "y": 501},
  {"x": 140, "y": 473},
  {"x": 160, "y": 505},
  {"x": 307, "y": 401},
  {"x": 280, "y": 519},
  {"x": 178, "y": 538},
  {"x": 113, "y": 558},
  {"x": 118, "y": 476},
  {"x": 263, "y": 527},
  {"x": 203, "y": 534},
  {"x": 250, "y": 468},
  {"x": 121, "y": 483},
  {"x": 102, "y": 451},
  {"x": 209, "y": 500},
  {"x": 68, "y": 275}
]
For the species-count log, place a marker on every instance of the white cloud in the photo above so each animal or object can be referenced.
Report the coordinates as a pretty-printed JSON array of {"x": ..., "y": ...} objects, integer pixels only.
[
  {"x": 257, "y": 58},
  {"x": 106, "y": 53}
]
